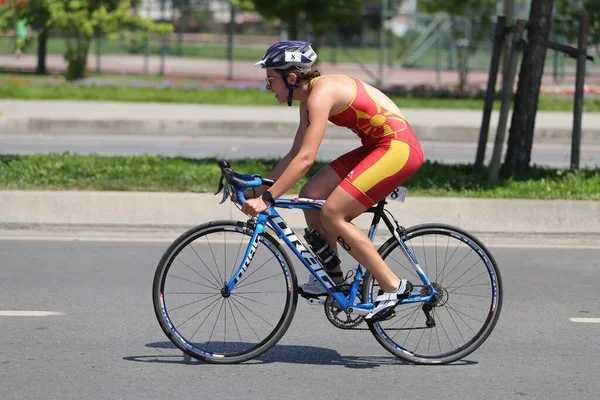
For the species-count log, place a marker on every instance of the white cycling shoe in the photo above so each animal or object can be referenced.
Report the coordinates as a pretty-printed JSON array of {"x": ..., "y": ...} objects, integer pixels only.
[
  {"x": 386, "y": 302},
  {"x": 314, "y": 288}
]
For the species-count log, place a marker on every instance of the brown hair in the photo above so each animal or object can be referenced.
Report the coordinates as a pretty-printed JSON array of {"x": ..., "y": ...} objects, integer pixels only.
[{"x": 302, "y": 74}]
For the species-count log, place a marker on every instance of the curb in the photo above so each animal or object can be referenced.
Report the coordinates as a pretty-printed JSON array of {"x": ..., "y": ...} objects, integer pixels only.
[{"x": 142, "y": 210}]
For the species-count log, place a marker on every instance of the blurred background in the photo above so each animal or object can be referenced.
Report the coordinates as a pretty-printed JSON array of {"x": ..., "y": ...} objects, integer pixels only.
[{"x": 391, "y": 43}]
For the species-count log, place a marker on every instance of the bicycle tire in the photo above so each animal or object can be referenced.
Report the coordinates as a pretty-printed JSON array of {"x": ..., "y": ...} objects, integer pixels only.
[
  {"x": 417, "y": 343},
  {"x": 182, "y": 288}
]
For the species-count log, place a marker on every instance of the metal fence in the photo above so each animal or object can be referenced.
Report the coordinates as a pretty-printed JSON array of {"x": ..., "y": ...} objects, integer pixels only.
[{"x": 205, "y": 44}]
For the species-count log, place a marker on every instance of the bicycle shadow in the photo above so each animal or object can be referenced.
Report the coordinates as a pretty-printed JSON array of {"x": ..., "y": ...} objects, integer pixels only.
[{"x": 291, "y": 354}]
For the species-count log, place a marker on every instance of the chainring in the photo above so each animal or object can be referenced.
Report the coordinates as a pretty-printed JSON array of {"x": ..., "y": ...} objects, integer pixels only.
[{"x": 338, "y": 317}]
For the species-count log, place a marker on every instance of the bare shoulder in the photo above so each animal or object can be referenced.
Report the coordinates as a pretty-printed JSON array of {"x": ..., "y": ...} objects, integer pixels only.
[{"x": 334, "y": 91}]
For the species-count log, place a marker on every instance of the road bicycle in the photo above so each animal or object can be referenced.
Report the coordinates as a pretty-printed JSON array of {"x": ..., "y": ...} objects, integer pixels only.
[{"x": 226, "y": 291}]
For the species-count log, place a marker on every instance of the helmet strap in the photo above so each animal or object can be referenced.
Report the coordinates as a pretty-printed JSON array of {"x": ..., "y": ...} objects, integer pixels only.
[{"x": 289, "y": 86}]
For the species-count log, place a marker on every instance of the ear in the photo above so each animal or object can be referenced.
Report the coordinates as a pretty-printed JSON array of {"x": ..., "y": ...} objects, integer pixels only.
[{"x": 292, "y": 78}]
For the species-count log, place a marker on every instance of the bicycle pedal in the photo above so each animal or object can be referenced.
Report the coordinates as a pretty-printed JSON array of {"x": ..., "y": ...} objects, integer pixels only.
[{"x": 384, "y": 316}]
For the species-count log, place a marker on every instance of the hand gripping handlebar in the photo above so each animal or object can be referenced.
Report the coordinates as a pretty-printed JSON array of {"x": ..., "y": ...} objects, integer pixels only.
[{"x": 233, "y": 181}]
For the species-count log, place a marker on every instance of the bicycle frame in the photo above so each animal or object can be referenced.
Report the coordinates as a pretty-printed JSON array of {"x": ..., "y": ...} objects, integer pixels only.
[{"x": 305, "y": 254}]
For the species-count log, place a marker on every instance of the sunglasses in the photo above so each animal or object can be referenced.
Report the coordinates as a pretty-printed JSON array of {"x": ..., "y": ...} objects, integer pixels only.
[{"x": 269, "y": 79}]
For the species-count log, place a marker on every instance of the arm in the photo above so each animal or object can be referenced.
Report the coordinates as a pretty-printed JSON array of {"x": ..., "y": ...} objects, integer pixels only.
[
  {"x": 285, "y": 161},
  {"x": 313, "y": 117}
]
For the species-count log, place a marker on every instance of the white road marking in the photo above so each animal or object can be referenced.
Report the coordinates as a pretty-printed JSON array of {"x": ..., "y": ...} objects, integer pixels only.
[
  {"x": 29, "y": 313},
  {"x": 586, "y": 320}
]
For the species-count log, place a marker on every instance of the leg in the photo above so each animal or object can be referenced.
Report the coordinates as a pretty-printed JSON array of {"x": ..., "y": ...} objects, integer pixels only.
[
  {"x": 340, "y": 209},
  {"x": 320, "y": 187},
  {"x": 388, "y": 165}
]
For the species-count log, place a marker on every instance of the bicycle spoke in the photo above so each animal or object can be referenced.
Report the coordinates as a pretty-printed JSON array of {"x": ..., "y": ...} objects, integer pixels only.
[
  {"x": 259, "y": 281},
  {"x": 202, "y": 260},
  {"x": 199, "y": 274},
  {"x": 224, "y": 327},
  {"x": 193, "y": 302},
  {"x": 469, "y": 299},
  {"x": 214, "y": 259}
]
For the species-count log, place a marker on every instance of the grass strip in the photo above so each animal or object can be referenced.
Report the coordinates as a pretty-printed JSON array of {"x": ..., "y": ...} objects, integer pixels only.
[
  {"x": 175, "y": 174},
  {"x": 23, "y": 87}
]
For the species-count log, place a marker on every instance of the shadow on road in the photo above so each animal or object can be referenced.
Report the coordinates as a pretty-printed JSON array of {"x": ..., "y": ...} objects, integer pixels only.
[{"x": 307, "y": 355}]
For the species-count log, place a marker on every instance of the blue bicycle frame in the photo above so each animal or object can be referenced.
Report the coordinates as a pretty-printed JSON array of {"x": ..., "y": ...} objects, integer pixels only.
[{"x": 311, "y": 261}]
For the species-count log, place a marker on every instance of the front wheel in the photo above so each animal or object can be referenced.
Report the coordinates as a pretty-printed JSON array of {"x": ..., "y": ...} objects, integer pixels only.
[
  {"x": 465, "y": 274},
  {"x": 205, "y": 321}
]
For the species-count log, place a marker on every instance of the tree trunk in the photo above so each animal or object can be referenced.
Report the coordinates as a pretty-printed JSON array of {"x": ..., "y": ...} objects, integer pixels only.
[
  {"x": 520, "y": 139},
  {"x": 41, "y": 53},
  {"x": 76, "y": 57}
]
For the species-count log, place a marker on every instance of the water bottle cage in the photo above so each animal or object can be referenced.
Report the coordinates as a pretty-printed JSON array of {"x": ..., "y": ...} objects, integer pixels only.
[{"x": 327, "y": 257}]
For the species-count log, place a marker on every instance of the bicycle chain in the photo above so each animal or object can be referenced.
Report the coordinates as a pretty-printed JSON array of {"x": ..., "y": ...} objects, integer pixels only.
[{"x": 357, "y": 327}]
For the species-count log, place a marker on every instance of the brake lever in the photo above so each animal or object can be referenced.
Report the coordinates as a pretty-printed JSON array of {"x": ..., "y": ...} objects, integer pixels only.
[
  {"x": 225, "y": 193},
  {"x": 220, "y": 184}
]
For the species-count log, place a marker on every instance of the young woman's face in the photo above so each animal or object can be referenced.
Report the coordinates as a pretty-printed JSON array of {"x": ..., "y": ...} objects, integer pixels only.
[{"x": 274, "y": 83}]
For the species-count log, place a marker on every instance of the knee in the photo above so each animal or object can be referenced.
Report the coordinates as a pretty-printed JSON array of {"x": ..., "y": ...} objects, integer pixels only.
[{"x": 330, "y": 218}]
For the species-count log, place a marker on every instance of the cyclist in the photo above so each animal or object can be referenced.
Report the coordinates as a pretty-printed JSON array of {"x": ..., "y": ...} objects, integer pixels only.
[{"x": 389, "y": 155}]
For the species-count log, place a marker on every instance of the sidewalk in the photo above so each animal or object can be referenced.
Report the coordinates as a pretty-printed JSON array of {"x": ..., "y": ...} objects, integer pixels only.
[
  {"x": 149, "y": 119},
  {"x": 243, "y": 70}
]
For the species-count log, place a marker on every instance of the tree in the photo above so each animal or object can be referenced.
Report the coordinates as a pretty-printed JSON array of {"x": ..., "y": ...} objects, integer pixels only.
[
  {"x": 319, "y": 16},
  {"x": 520, "y": 139},
  {"x": 570, "y": 12},
  {"x": 81, "y": 20},
  {"x": 479, "y": 15}
]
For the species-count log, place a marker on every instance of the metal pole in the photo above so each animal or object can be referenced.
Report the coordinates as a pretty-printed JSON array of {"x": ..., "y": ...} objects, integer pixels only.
[
  {"x": 382, "y": 44},
  {"x": 98, "y": 51},
  {"x": 507, "y": 90},
  {"x": 490, "y": 93},
  {"x": 438, "y": 58},
  {"x": 584, "y": 29},
  {"x": 147, "y": 46},
  {"x": 230, "y": 41},
  {"x": 163, "y": 41}
]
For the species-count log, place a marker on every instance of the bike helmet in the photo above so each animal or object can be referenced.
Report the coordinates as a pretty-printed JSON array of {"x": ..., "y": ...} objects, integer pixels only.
[{"x": 287, "y": 55}]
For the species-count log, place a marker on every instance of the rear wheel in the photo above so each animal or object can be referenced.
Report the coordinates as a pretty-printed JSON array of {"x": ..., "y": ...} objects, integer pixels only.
[
  {"x": 467, "y": 277},
  {"x": 206, "y": 322}
]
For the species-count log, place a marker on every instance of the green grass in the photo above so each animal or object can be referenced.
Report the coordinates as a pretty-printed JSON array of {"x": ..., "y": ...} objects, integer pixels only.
[
  {"x": 31, "y": 87},
  {"x": 155, "y": 173}
]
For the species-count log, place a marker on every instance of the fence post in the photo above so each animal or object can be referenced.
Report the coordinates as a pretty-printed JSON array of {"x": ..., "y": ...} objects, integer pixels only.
[
  {"x": 382, "y": 43},
  {"x": 507, "y": 91},
  {"x": 230, "y": 34},
  {"x": 98, "y": 51},
  {"x": 584, "y": 29},
  {"x": 490, "y": 93},
  {"x": 147, "y": 55}
]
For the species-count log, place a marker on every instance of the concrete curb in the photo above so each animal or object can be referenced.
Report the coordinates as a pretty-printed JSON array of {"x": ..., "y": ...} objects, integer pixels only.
[{"x": 114, "y": 210}]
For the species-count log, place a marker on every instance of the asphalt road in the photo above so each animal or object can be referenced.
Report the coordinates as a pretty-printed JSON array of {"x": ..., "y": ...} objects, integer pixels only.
[
  {"x": 107, "y": 344},
  {"x": 552, "y": 155}
]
